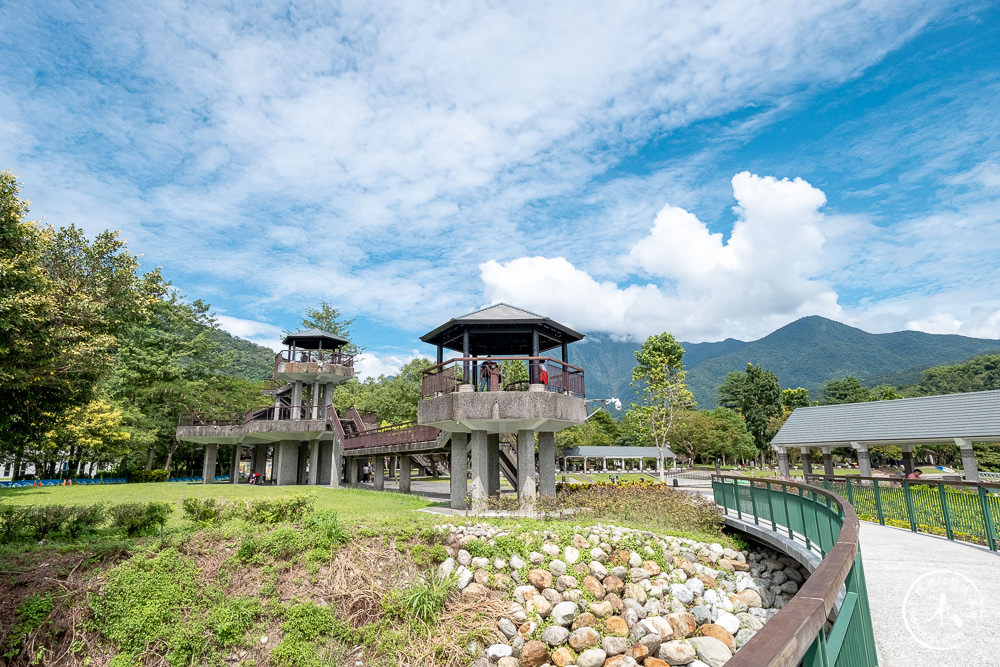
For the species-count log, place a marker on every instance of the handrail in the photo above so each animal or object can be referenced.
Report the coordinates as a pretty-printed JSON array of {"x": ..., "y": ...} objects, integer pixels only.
[
  {"x": 968, "y": 512},
  {"x": 797, "y": 634},
  {"x": 209, "y": 419},
  {"x": 314, "y": 356},
  {"x": 392, "y": 434},
  {"x": 446, "y": 377}
]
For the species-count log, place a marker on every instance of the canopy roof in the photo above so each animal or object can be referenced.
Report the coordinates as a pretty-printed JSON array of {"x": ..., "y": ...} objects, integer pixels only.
[
  {"x": 594, "y": 452},
  {"x": 314, "y": 339},
  {"x": 925, "y": 419},
  {"x": 501, "y": 329}
]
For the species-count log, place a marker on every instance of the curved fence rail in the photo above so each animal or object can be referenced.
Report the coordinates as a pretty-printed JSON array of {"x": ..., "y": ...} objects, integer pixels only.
[
  {"x": 965, "y": 511},
  {"x": 828, "y": 622}
]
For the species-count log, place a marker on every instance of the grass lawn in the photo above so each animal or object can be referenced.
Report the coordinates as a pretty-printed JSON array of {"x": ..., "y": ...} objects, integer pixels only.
[{"x": 625, "y": 476}]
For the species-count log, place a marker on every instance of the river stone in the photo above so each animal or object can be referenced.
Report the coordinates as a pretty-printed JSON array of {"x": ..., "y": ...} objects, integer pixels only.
[
  {"x": 554, "y": 635},
  {"x": 481, "y": 577},
  {"x": 598, "y": 554},
  {"x": 539, "y": 605},
  {"x": 614, "y": 645},
  {"x": 660, "y": 626},
  {"x": 540, "y": 579},
  {"x": 509, "y": 661},
  {"x": 516, "y": 562},
  {"x": 601, "y": 609},
  {"x": 793, "y": 575},
  {"x": 790, "y": 587},
  {"x": 635, "y": 593},
  {"x": 682, "y": 593},
  {"x": 475, "y": 591},
  {"x": 683, "y": 624},
  {"x": 464, "y": 557},
  {"x": 564, "y": 613},
  {"x": 701, "y": 614},
  {"x": 557, "y": 567},
  {"x": 711, "y": 651},
  {"x": 497, "y": 651},
  {"x": 584, "y": 620},
  {"x": 743, "y": 636},
  {"x": 580, "y": 542},
  {"x": 446, "y": 568},
  {"x": 728, "y": 621},
  {"x": 749, "y": 622},
  {"x": 719, "y": 632},
  {"x": 696, "y": 585},
  {"x": 566, "y": 582},
  {"x": 620, "y": 572},
  {"x": 552, "y": 550},
  {"x": 479, "y": 562},
  {"x": 750, "y": 598},
  {"x": 629, "y": 603},
  {"x": 598, "y": 570},
  {"x": 650, "y": 642},
  {"x": 571, "y": 554},
  {"x": 638, "y": 574},
  {"x": 593, "y": 586},
  {"x": 522, "y": 593},
  {"x": 584, "y": 638},
  {"x": 507, "y": 627},
  {"x": 613, "y": 584},
  {"x": 534, "y": 654},
  {"x": 592, "y": 657},
  {"x": 676, "y": 652},
  {"x": 778, "y": 577},
  {"x": 516, "y": 645},
  {"x": 621, "y": 661},
  {"x": 536, "y": 558}
]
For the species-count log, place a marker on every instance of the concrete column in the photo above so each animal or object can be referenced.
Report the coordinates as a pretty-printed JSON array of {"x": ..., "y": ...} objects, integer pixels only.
[
  {"x": 458, "y": 466},
  {"x": 525, "y": 464},
  {"x": 404, "y": 474},
  {"x": 864, "y": 462},
  {"x": 287, "y": 463},
  {"x": 907, "y": 459},
  {"x": 234, "y": 465},
  {"x": 260, "y": 459},
  {"x": 828, "y": 462},
  {"x": 325, "y": 448},
  {"x": 969, "y": 463},
  {"x": 208, "y": 464},
  {"x": 480, "y": 465},
  {"x": 297, "y": 400},
  {"x": 352, "y": 471},
  {"x": 392, "y": 467},
  {"x": 336, "y": 462},
  {"x": 360, "y": 463},
  {"x": 314, "y": 462},
  {"x": 604, "y": 464},
  {"x": 547, "y": 463},
  {"x": 378, "y": 468},
  {"x": 783, "y": 462},
  {"x": 807, "y": 467},
  {"x": 302, "y": 474},
  {"x": 493, "y": 464}
]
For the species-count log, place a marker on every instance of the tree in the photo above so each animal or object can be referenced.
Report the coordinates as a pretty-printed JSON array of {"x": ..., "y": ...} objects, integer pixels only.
[
  {"x": 329, "y": 319},
  {"x": 392, "y": 398},
  {"x": 980, "y": 373},
  {"x": 731, "y": 390},
  {"x": 845, "y": 390},
  {"x": 795, "y": 398},
  {"x": 760, "y": 402},
  {"x": 659, "y": 373}
]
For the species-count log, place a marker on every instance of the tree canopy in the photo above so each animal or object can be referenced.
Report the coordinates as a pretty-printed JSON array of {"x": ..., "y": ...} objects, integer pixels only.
[
  {"x": 329, "y": 319},
  {"x": 659, "y": 374}
]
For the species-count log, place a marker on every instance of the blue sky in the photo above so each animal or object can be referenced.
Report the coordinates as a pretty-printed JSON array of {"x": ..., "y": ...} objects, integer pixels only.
[{"x": 708, "y": 169}]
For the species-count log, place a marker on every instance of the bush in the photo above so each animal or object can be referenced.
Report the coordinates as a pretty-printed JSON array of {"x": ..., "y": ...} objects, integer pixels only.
[
  {"x": 30, "y": 615},
  {"x": 202, "y": 510},
  {"x": 85, "y": 519},
  {"x": 423, "y": 600},
  {"x": 231, "y": 619},
  {"x": 139, "y": 518},
  {"x": 141, "y": 476},
  {"x": 326, "y": 526},
  {"x": 254, "y": 510}
]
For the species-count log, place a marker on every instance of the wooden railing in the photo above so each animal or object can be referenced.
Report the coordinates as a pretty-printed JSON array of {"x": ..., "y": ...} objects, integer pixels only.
[
  {"x": 204, "y": 419},
  {"x": 393, "y": 434},
  {"x": 314, "y": 357},
  {"x": 446, "y": 377},
  {"x": 827, "y": 525}
]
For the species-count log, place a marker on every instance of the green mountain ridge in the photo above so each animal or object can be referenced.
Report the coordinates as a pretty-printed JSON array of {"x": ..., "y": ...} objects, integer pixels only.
[{"x": 805, "y": 353}]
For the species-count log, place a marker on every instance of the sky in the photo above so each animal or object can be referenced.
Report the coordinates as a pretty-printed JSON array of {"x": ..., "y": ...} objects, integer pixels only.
[{"x": 711, "y": 169}]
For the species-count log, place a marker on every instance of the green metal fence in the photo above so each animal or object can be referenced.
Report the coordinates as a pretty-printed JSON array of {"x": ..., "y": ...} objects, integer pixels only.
[
  {"x": 965, "y": 511},
  {"x": 828, "y": 622}
]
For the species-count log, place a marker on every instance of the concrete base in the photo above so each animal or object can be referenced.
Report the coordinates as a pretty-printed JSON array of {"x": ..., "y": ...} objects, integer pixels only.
[
  {"x": 313, "y": 462},
  {"x": 864, "y": 464},
  {"x": 970, "y": 465},
  {"x": 379, "y": 473},
  {"x": 208, "y": 464},
  {"x": 807, "y": 467},
  {"x": 459, "y": 470},
  {"x": 336, "y": 464},
  {"x": 353, "y": 471},
  {"x": 783, "y": 464}
]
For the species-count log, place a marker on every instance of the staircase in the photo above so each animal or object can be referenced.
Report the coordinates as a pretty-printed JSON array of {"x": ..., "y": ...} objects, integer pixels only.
[
  {"x": 350, "y": 429},
  {"x": 508, "y": 463},
  {"x": 435, "y": 465}
]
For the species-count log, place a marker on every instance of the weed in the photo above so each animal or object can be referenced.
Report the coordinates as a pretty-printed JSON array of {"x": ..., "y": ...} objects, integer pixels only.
[
  {"x": 139, "y": 518},
  {"x": 30, "y": 616},
  {"x": 426, "y": 598},
  {"x": 230, "y": 619}
]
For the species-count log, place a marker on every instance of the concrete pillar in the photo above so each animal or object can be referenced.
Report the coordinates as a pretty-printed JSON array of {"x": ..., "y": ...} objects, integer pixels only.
[
  {"x": 336, "y": 462},
  {"x": 604, "y": 464},
  {"x": 378, "y": 468},
  {"x": 525, "y": 462},
  {"x": 807, "y": 468},
  {"x": 208, "y": 464},
  {"x": 480, "y": 465},
  {"x": 907, "y": 459},
  {"x": 404, "y": 474},
  {"x": 360, "y": 464},
  {"x": 969, "y": 463},
  {"x": 352, "y": 471},
  {"x": 325, "y": 448},
  {"x": 783, "y": 462},
  {"x": 234, "y": 465},
  {"x": 302, "y": 474},
  {"x": 547, "y": 463},
  {"x": 287, "y": 463},
  {"x": 392, "y": 467},
  {"x": 314, "y": 462},
  {"x": 260, "y": 459},
  {"x": 297, "y": 400},
  {"x": 316, "y": 402},
  {"x": 458, "y": 465},
  {"x": 828, "y": 462},
  {"x": 493, "y": 464},
  {"x": 864, "y": 462}
]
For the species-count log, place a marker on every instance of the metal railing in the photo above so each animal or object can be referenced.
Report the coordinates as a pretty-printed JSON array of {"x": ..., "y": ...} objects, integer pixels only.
[
  {"x": 393, "y": 434},
  {"x": 965, "y": 511},
  {"x": 835, "y": 592},
  {"x": 446, "y": 377},
  {"x": 314, "y": 357},
  {"x": 204, "y": 419},
  {"x": 283, "y": 412}
]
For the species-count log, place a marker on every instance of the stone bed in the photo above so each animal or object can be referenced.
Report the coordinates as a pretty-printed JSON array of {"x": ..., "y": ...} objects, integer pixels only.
[{"x": 618, "y": 597}]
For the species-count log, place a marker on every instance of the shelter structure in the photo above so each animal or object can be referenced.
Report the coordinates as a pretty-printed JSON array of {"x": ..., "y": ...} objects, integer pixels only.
[
  {"x": 638, "y": 454},
  {"x": 468, "y": 397},
  {"x": 906, "y": 422}
]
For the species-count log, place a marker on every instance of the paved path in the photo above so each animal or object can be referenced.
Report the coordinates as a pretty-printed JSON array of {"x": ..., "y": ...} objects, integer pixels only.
[{"x": 933, "y": 601}]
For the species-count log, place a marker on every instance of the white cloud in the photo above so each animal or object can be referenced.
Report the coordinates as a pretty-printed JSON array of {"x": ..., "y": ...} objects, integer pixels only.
[
  {"x": 261, "y": 333},
  {"x": 371, "y": 364},
  {"x": 762, "y": 277}
]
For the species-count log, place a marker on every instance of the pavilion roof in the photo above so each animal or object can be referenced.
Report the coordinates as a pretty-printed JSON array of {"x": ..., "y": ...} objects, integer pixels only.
[
  {"x": 311, "y": 339},
  {"x": 501, "y": 329}
]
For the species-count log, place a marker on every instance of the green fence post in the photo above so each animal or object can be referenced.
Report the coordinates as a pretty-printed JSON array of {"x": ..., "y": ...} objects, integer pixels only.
[
  {"x": 753, "y": 503},
  {"x": 788, "y": 518},
  {"x": 817, "y": 656},
  {"x": 770, "y": 508},
  {"x": 878, "y": 502},
  {"x": 944, "y": 509},
  {"x": 908, "y": 498},
  {"x": 991, "y": 533}
]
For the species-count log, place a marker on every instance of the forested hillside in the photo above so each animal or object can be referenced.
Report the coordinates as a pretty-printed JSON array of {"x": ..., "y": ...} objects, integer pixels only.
[{"x": 250, "y": 360}]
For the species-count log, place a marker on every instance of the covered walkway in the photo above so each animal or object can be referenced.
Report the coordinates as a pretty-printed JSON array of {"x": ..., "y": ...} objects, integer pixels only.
[{"x": 931, "y": 600}]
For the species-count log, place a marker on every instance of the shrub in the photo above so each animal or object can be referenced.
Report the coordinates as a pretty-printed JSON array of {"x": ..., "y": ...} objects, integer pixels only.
[
  {"x": 254, "y": 510},
  {"x": 10, "y": 523},
  {"x": 308, "y": 620},
  {"x": 424, "y": 599},
  {"x": 202, "y": 510},
  {"x": 230, "y": 619},
  {"x": 326, "y": 526},
  {"x": 30, "y": 615},
  {"x": 139, "y": 518},
  {"x": 141, "y": 476}
]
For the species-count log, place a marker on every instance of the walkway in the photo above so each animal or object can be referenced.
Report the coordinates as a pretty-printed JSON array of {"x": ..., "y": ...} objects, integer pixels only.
[{"x": 932, "y": 601}]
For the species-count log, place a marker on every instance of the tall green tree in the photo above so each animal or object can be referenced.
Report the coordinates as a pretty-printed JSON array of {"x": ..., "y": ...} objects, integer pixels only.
[
  {"x": 393, "y": 399},
  {"x": 795, "y": 398},
  {"x": 659, "y": 374},
  {"x": 330, "y": 320},
  {"x": 850, "y": 390},
  {"x": 760, "y": 403}
]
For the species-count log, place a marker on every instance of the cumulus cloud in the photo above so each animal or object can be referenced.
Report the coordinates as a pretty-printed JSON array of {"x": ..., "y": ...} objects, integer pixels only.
[
  {"x": 261, "y": 333},
  {"x": 370, "y": 364},
  {"x": 704, "y": 285}
]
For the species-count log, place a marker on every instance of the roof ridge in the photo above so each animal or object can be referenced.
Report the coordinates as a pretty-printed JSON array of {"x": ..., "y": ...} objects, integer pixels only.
[{"x": 498, "y": 305}]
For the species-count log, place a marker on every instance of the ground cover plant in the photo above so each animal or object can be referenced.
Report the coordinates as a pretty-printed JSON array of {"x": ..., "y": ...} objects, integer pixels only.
[{"x": 234, "y": 575}]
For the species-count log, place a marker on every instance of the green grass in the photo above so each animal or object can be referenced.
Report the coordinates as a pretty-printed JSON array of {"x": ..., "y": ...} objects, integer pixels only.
[
  {"x": 354, "y": 506},
  {"x": 606, "y": 477}
]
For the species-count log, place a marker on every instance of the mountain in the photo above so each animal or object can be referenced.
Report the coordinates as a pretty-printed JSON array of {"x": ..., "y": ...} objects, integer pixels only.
[
  {"x": 250, "y": 360},
  {"x": 805, "y": 353}
]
